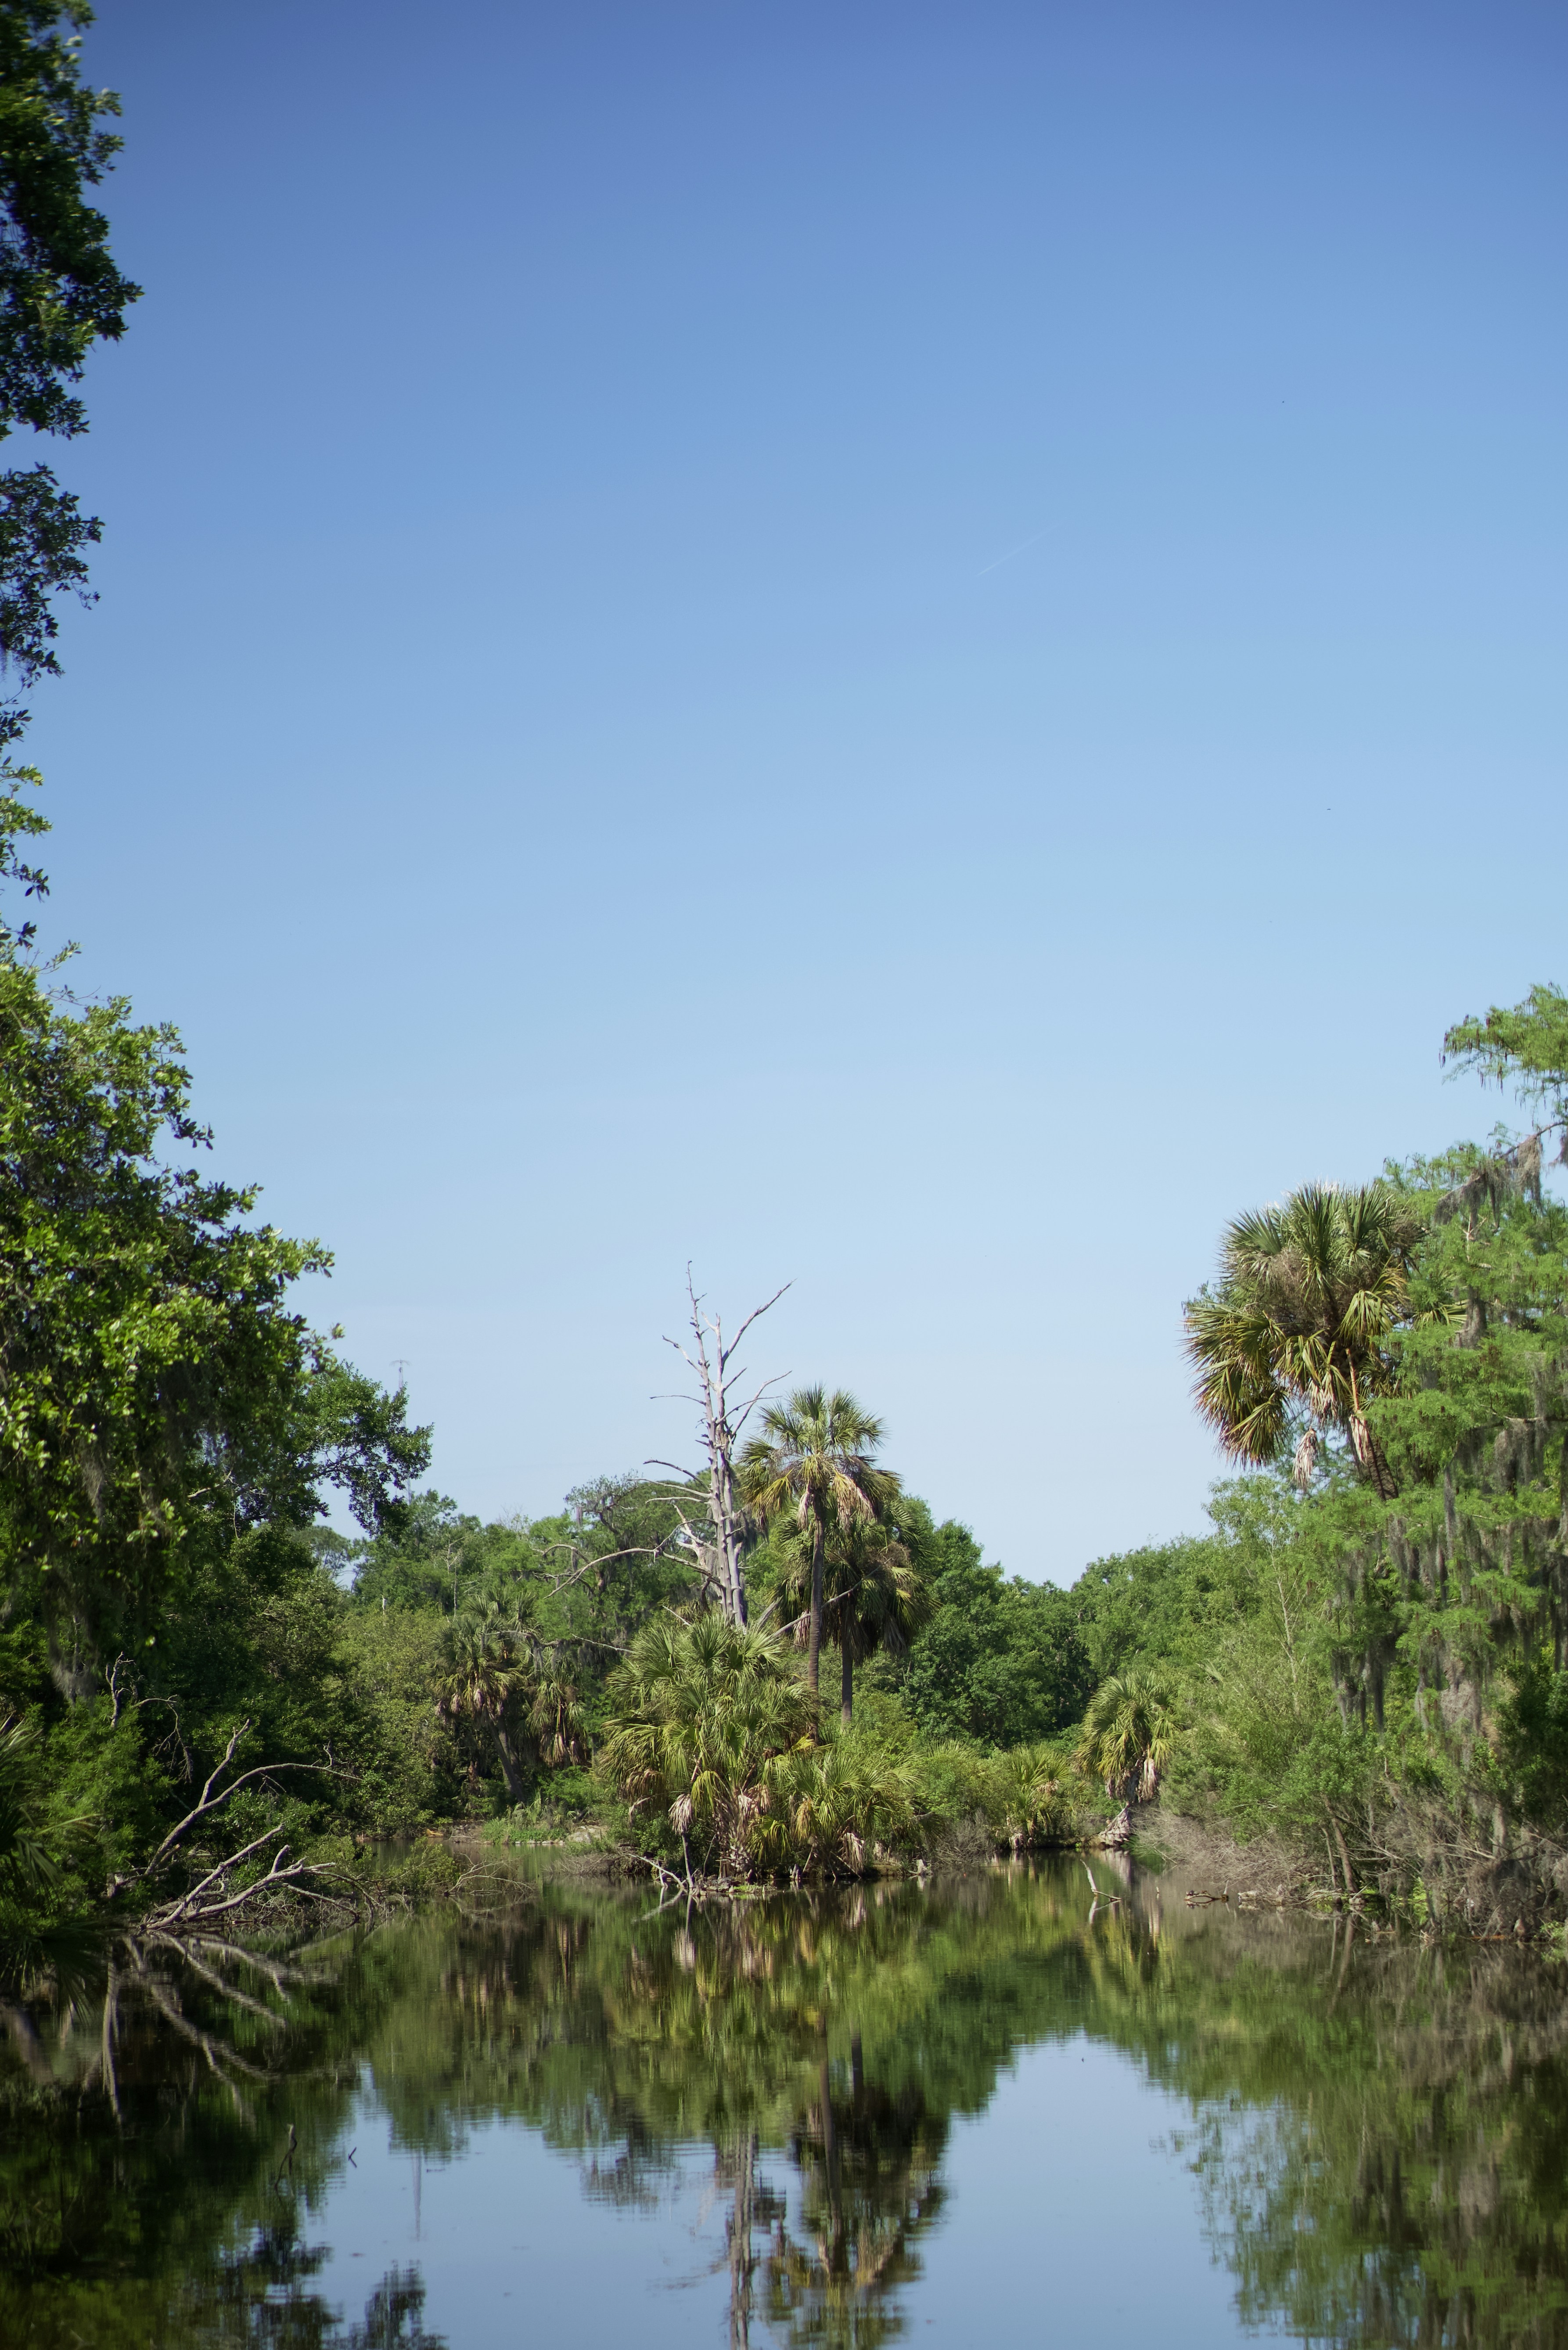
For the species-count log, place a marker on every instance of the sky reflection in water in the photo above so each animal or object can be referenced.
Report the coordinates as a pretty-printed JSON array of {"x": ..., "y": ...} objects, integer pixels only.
[{"x": 948, "y": 2115}]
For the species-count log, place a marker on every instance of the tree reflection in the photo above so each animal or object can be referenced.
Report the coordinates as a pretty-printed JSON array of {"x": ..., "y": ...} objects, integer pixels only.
[
  {"x": 867, "y": 2165},
  {"x": 1379, "y": 2132}
]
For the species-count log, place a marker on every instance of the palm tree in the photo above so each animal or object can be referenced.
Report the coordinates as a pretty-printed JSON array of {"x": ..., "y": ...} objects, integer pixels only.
[
  {"x": 556, "y": 1717},
  {"x": 490, "y": 1667},
  {"x": 1029, "y": 1794},
  {"x": 874, "y": 1596},
  {"x": 1128, "y": 1735},
  {"x": 827, "y": 1804},
  {"x": 1307, "y": 1298},
  {"x": 696, "y": 1714},
  {"x": 814, "y": 1459}
]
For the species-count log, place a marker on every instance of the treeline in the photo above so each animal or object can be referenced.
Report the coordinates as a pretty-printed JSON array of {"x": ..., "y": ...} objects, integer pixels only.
[
  {"x": 1361, "y": 1661},
  {"x": 202, "y": 1687}
]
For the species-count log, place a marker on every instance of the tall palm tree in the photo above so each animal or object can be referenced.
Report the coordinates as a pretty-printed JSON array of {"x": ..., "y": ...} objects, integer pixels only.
[
  {"x": 556, "y": 1717},
  {"x": 814, "y": 1461},
  {"x": 874, "y": 1596},
  {"x": 1308, "y": 1296}
]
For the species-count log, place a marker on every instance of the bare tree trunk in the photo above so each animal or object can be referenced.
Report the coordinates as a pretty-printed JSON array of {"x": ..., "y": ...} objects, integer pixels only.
[
  {"x": 813, "y": 1646},
  {"x": 710, "y": 1357}
]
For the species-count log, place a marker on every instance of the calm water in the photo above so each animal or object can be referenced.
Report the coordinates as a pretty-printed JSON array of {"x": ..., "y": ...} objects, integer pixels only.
[{"x": 968, "y": 2115}]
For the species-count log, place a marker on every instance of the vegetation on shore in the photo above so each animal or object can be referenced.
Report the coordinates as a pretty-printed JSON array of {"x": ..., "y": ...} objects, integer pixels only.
[{"x": 205, "y": 1687}]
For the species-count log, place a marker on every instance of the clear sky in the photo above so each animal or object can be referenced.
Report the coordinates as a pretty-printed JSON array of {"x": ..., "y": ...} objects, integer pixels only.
[{"x": 914, "y": 648}]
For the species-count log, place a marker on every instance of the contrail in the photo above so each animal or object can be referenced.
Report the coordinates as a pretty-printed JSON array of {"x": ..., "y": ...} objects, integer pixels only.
[{"x": 1010, "y": 553}]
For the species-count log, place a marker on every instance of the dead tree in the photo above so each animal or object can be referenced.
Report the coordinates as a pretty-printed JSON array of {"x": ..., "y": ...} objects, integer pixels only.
[{"x": 717, "y": 1543}]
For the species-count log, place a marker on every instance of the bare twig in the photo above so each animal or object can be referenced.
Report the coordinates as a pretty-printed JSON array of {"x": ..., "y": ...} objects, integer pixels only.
[
  {"x": 211, "y": 1803},
  {"x": 181, "y": 1912},
  {"x": 711, "y": 1355}
]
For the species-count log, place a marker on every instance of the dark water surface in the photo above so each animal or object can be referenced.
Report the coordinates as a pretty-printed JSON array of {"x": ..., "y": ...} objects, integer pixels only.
[{"x": 970, "y": 2113}]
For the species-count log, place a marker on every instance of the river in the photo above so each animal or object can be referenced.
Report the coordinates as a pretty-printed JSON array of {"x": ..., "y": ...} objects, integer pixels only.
[{"x": 995, "y": 2109}]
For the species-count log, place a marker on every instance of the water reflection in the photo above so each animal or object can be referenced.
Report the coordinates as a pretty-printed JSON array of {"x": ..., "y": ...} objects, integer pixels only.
[{"x": 1378, "y": 2132}]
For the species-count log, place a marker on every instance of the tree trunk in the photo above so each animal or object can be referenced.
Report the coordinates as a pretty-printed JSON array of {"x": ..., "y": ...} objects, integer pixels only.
[
  {"x": 1372, "y": 1459},
  {"x": 1383, "y": 1477},
  {"x": 846, "y": 1679},
  {"x": 721, "y": 1504},
  {"x": 813, "y": 1646},
  {"x": 510, "y": 1768}
]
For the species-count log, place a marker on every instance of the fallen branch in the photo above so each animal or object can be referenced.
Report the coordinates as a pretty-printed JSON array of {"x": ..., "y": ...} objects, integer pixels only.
[
  {"x": 184, "y": 1912},
  {"x": 210, "y": 1803}
]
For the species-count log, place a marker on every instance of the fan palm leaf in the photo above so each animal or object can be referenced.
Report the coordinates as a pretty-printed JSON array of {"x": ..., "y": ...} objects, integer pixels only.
[
  {"x": 1301, "y": 1319},
  {"x": 1128, "y": 1734},
  {"x": 698, "y": 1711},
  {"x": 814, "y": 1461}
]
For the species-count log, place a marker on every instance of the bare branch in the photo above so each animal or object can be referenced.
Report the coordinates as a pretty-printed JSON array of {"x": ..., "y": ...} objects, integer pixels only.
[
  {"x": 756, "y": 1314},
  {"x": 710, "y": 1357},
  {"x": 233, "y": 1861},
  {"x": 228, "y": 1758},
  {"x": 275, "y": 1874},
  {"x": 260, "y": 1771}
]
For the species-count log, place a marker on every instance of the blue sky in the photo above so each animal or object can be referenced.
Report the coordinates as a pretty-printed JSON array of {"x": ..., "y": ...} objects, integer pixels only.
[{"x": 916, "y": 648}]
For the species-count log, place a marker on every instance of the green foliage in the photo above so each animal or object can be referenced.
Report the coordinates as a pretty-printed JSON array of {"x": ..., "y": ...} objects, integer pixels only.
[
  {"x": 1378, "y": 1665},
  {"x": 414, "y": 1771},
  {"x": 30, "y": 1857},
  {"x": 60, "y": 291},
  {"x": 829, "y": 1806},
  {"x": 875, "y": 1600},
  {"x": 814, "y": 1463},
  {"x": 1524, "y": 1046},
  {"x": 504, "y": 1678},
  {"x": 156, "y": 1380},
  {"x": 1296, "y": 1331},
  {"x": 1001, "y": 1661},
  {"x": 1177, "y": 1600},
  {"x": 1129, "y": 1734},
  {"x": 1533, "y": 1739},
  {"x": 699, "y": 1711}
]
